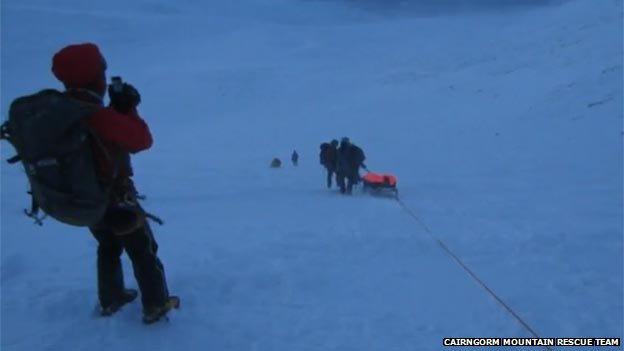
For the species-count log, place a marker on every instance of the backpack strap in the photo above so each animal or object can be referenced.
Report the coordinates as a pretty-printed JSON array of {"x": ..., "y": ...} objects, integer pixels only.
[
  {"x": 13, "y": 160},
  {"x": 31, "y": 168},
  {"x": 5, "y": 134},
  {"x": 100, "y": 145},
  {"x": 34, "y": 211},
  {"x": 4, "y": 131},
  {"x": 154, "y": 218}
]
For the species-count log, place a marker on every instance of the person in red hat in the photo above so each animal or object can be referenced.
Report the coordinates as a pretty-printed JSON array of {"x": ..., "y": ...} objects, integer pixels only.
[{"x": 120, "y": 132}]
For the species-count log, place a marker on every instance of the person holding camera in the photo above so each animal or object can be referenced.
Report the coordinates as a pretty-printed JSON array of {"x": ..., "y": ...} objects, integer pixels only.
[{"x": 118, "y": 131}]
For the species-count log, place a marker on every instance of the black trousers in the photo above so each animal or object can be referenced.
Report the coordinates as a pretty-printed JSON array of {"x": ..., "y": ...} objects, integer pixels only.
[
  {"x": 142, "y": 250},
  {"x": 346, "y": 181},
  {"x": 330, "y": 174}
]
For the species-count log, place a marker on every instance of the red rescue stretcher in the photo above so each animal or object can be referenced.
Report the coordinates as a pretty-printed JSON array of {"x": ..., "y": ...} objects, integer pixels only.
[{"x": 379, "y": 182}]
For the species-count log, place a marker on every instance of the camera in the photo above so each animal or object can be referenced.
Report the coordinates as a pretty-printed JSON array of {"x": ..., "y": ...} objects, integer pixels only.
[
  {"x": 116, "y": 85},
  {"x": 123, "y": 96}
]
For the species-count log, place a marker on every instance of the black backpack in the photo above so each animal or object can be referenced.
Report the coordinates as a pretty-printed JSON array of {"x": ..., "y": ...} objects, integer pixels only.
[
  {"x": 358, "y": 155},
  {"x": 50, "y": 134},
  {"x": 323, "y": 154}
]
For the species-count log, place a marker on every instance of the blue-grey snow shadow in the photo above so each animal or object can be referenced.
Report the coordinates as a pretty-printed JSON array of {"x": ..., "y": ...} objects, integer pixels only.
[{"x": 439, "y": 7}]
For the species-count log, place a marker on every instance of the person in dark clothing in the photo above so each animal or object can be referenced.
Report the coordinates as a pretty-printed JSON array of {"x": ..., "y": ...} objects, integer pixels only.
[
  {"x": 119, "y": 131},
  {"x": 295, "y": 158},
  {"x": 350, "y": 159},
  {"x": 328, "y": 158},
  {"x": 142, "y": 248}
]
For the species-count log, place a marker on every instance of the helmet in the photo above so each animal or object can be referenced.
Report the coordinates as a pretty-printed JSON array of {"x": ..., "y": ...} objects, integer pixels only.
[
  {"x": 345, "y": 141},
  {"x": 334, "y": 143}
]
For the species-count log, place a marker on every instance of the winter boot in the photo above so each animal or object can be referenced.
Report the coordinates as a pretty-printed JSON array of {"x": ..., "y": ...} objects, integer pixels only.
[
  {"x": 153, "y": 314},
  {"x": 127, "y": 296}
]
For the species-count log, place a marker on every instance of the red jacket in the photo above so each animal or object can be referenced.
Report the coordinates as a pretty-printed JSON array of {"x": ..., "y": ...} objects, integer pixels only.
[{"x": 119, "y": 134}]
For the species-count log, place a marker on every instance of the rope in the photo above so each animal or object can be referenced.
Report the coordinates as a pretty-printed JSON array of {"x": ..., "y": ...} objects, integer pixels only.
[{"x": 469, "y": 271}]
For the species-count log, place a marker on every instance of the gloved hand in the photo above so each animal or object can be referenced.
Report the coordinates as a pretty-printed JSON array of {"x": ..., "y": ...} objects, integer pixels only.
[{"x": 124, "y": 99}]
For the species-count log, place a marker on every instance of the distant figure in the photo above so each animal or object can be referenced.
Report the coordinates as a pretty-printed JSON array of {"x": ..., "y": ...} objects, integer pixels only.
[
  {"x": 276, "y": 163},
  {"x": 329, "y": 159},
  {"x": 350, "y": 159},
  {"x": 295, "y": 158}
]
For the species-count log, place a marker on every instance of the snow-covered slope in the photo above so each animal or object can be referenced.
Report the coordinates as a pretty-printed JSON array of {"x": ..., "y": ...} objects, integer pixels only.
[{"x": 503, "y": 124}]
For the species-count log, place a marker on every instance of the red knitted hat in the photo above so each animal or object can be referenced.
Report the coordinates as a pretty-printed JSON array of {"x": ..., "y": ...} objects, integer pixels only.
[{"x": 78, "y": 66}]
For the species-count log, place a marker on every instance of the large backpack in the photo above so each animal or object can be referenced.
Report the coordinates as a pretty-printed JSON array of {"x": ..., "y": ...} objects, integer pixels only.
[
  {"x": 323, "y": 154},
  {"x": 358, "y": 156},
  {"x": 50, "y": 134}
]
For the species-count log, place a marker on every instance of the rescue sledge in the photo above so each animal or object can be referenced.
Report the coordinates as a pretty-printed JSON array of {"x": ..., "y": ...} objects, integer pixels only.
[{"x": 380, "y": 183}]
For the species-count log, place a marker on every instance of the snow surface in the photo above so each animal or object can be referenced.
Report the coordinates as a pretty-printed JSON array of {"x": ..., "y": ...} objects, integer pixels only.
[{"x": 502, "y": 122}]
